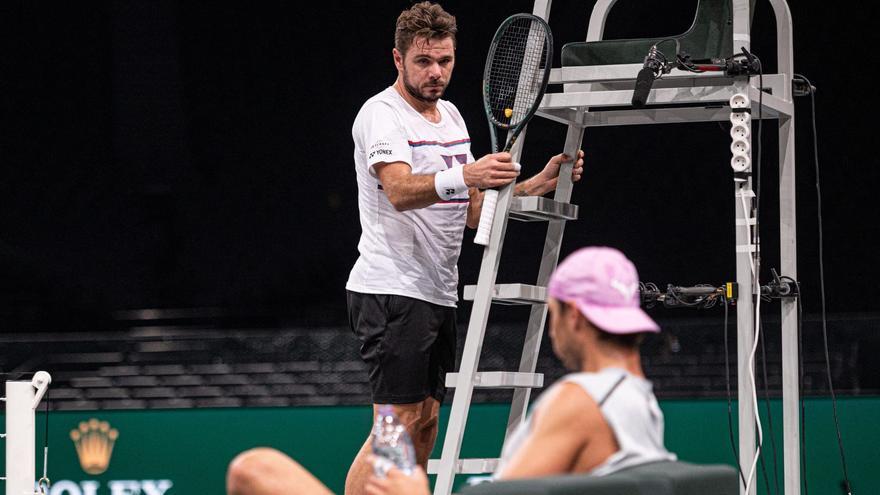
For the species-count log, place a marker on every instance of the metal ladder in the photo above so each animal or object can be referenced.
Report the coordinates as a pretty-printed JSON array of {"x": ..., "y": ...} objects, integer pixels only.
[
  {"x": 556, "y": 212},
  {"x": 600, "y": 96}
]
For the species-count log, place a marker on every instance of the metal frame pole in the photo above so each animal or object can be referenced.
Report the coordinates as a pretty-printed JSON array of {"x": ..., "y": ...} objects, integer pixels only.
[
  {"x": 745, "y": 312},
  {"x": 20, "y": 438},
  {"x": 788, "y": 265},
  {"x": 788, "y": 256},
  {"x": 745, "y": 327},
  {"x": 22, "y": 399}
]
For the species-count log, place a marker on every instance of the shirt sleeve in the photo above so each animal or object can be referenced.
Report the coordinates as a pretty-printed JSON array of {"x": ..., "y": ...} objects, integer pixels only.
[{"x": 384, "y": 139}]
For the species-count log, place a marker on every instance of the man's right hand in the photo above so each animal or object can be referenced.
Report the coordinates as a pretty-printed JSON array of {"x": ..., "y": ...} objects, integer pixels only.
[{"x": 490, "y": 171}]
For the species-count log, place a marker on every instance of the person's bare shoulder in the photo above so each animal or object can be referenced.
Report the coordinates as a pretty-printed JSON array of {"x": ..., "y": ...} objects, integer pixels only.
[{"x": 569, "y": 407}]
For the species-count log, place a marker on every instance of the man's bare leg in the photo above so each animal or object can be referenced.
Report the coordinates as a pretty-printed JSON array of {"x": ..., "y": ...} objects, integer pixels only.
[
  {"x": 414, "y": 417},
  {"x": 426, "y": 435},
  {"x": 265, "y": 471}
]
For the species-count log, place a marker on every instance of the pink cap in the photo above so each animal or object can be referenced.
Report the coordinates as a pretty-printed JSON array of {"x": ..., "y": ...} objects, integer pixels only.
[{"x": 604, "y": 285}]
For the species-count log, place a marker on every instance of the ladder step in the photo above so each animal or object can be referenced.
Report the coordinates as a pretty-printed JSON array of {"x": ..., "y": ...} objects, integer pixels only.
[
  {"x": 511, "y": 294},
  {"x": 539, "y": 208},
  {"x": 466, "y": 466},
  {"x": 500, "y": 379}
]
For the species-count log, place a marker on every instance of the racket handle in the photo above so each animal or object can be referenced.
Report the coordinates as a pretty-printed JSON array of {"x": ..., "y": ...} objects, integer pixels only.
[{"x": 487, "y": 216}]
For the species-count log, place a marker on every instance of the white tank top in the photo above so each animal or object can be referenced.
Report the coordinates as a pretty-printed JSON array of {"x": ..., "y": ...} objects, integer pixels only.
[{"x": 629, "y": 407}]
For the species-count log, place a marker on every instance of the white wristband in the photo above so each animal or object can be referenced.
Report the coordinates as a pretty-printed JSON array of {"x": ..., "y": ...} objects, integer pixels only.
[{"x": 450, "y": 183}]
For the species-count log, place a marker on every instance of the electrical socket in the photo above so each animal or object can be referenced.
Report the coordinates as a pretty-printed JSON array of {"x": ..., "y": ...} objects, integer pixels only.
[
  {"x": 740, "y": 118},
  {"x": 740, "y": 147},
  {"x": 740, "y": 163},
  {"x": 740, "y": 100},
  {"x": 739, "y": 132}
]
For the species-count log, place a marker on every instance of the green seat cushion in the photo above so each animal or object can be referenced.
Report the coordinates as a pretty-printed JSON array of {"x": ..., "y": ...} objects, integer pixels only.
[
  {"x": 612, "y": 52},
  {"x": 658, "y": 478},
  {"x": 710, "y": 36}
]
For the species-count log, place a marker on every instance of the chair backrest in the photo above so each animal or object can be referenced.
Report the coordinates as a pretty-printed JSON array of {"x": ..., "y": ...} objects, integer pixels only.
[{"x": 710, "y": 36}]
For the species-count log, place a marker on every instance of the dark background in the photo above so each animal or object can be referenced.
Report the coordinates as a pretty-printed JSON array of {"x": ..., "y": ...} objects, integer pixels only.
[{"x": 181, "y": 155}]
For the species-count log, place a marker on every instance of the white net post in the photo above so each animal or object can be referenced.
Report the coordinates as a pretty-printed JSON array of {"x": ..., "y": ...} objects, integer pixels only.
[{"x": 22, "y": 398}]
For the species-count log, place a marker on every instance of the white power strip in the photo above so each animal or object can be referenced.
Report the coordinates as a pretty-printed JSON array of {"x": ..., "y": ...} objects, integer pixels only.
[{"x": 740, "y": 133}]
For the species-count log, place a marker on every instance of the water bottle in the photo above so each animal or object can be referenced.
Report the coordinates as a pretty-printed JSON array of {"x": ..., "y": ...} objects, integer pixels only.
[{"x": 391, "y": 444}]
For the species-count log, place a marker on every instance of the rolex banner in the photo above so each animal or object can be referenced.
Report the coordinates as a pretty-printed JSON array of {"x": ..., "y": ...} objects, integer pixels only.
[
  {"x": 186, "y": 451},
  {"x": 165, "y": 452}
]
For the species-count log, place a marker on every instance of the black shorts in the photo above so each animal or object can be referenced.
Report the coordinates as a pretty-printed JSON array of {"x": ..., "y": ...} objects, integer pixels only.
[{"x": 408, "y": 345}]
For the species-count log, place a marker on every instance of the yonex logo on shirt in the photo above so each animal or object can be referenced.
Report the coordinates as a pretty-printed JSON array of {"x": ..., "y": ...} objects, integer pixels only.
[{"x": 379, "y": 152}]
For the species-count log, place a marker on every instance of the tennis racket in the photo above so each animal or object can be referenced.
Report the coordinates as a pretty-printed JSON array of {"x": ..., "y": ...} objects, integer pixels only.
[{"x": 514, "y": 81}]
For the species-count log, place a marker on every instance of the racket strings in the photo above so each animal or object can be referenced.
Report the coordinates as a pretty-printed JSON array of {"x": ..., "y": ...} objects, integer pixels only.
[{"x": 515, "y": 76}]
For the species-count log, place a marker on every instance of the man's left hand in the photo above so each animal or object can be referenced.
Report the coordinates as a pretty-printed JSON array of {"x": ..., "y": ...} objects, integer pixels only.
[
  {"x": 538, "y": 185},
  {"x": 551, "y": 170}
]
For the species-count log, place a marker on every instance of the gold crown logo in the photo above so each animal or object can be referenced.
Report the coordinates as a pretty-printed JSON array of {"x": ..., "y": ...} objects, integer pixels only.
[{"x": 94, "y": 442}]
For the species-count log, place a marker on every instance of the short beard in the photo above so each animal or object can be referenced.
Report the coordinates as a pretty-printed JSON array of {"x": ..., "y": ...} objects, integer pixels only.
[{"x": 414, "y": 92}]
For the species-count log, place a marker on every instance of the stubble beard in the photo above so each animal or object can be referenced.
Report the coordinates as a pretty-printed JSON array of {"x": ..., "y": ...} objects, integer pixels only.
[{"x": 415, "y": 93}]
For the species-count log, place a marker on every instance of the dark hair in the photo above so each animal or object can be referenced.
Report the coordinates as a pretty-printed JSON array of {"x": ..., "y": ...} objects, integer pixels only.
[
  {"x": 624, "y": 340},
  {"x": 424, "y": 19}
]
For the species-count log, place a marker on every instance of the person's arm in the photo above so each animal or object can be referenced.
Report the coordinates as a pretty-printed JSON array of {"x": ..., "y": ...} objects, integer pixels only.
[
  {"x": 538, "y": 185},
  {"x": 546, "y": 180},
  {"x": 408, "y": 191},
  {"x": 561, "y": 430},
  {"x": 475, "y": 206}
]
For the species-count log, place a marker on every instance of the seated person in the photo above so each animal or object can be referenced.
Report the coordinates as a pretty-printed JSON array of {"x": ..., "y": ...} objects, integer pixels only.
[{"x": 601, "y": 418}]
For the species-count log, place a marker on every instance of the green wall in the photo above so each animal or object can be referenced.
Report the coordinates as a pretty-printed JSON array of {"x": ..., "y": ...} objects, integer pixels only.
[{"x": 192, "y": 447}]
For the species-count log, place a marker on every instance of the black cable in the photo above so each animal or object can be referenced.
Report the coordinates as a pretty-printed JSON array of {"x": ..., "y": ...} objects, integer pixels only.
[
  {"x": 674, "y": 295},
  {"x": 848, "y": 486},
  {"x": 46, "y": 445},
  {"x": 729, "y": 400},
  {"x": 758, "y": 167},
  {"x": 685, "y": 65},
  {"x": 710, "y": 300},
  {"x": 664, "y": 69},
  {"x": 803, "y": 425},
  {"x": 764, "y": 473},
  {"x": 769, "y": 417}
]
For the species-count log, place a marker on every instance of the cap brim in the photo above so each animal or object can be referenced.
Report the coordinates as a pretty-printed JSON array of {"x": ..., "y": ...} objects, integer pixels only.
[{"x": 619, "y": 320}]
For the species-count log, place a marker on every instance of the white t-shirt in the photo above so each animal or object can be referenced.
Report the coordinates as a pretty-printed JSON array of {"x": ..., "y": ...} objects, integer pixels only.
[
  {"x": 415, "y": 252},
  {"x": 629, "y": 407}
]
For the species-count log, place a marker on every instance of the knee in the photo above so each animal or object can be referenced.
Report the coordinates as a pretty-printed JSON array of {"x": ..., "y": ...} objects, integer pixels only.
[{"x": 249, "y": 469}]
